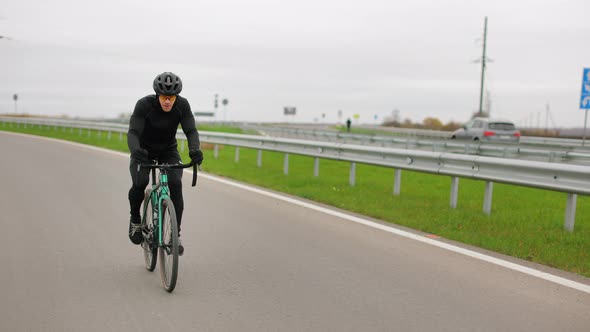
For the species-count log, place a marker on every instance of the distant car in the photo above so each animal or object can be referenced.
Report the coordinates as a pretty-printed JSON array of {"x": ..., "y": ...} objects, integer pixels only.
[{"x": 488, "y": 130}]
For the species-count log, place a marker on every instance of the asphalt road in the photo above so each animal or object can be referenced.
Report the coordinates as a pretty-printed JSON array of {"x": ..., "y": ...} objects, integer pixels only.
[{"x": 251, "y": 263}]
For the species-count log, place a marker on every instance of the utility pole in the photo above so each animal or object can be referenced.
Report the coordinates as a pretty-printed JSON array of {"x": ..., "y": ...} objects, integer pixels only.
[{"x": 483, "y": 65}]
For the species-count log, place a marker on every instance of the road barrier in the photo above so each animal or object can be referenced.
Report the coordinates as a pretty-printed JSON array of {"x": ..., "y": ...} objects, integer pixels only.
[
  {"x": 571, "y": 179},
  {"x": 569, "y": 151}
]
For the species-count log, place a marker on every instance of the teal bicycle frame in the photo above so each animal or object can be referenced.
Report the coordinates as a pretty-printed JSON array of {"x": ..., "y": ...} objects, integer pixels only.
[
  {"x": 160, "y": 191},
  {"x": 158, "y": 199}
]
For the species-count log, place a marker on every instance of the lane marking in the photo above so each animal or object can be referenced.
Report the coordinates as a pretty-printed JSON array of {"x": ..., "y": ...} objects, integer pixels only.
[
  {"x": 513, "y": 266},
  {"x": 390, "y": 229}
]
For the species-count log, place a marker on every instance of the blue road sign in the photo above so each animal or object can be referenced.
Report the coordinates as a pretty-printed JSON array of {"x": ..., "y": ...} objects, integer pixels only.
[{"x": 585, "y": 96}]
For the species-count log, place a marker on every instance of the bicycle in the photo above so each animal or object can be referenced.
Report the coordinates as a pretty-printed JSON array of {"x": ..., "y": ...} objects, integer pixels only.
[{"x": 159, "y": 228}]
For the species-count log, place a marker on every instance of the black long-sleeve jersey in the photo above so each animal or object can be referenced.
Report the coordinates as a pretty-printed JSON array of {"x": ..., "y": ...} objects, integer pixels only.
[{"x": 153, "y": 129}]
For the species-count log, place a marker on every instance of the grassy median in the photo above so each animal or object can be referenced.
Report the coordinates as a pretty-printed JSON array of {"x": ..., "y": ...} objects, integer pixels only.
[{"x": 526, "y": 223}]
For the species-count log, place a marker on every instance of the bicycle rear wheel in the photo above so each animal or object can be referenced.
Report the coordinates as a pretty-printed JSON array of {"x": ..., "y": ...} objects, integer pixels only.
[
  {"x": 168, "y": 251},
  {"x": 147, "y": 228}
]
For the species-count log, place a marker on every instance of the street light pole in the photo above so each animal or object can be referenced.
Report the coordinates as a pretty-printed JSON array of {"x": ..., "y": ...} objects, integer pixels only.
[
  {"x": 215, "y": 105},
  {"x": 224, "y": 102},
  {"x": 15, "y": 98}
]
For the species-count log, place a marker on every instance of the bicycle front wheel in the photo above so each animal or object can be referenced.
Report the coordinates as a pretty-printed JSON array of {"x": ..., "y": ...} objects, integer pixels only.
[
  {"x": 168, "y": 250},
  {"x": 149, "y": 244}
]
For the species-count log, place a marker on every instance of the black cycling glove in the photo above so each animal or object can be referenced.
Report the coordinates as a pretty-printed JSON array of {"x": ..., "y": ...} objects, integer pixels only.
[
  {"x": 196, "y": 156},
  {"x": 141, "y": 156}
]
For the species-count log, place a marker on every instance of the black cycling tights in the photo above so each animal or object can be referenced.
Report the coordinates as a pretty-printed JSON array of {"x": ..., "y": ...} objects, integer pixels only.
[{"x": 141, "y": 179}]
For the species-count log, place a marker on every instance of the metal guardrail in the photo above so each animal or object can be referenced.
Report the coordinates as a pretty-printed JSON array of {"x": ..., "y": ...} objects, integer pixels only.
[
  {"x": 571, "y": 179},
  {"x": 559, "y": 177},
  {"x": 393, "y": 131},
  {"x": 554, "y": 141},
  {"x": 410, "y": 133},
  {"x": 530, "y": 148}
]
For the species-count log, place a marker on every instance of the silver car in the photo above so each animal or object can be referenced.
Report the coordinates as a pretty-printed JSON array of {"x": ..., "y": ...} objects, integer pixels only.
[{"x": 488, "y": 130}]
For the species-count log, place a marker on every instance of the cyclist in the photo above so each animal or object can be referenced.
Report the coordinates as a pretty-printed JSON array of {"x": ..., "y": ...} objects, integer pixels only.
[{"x": 152, "y": 137}]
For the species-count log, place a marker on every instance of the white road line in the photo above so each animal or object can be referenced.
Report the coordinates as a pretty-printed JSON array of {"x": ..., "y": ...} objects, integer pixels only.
[
  {"x": 466, "y": 252},
  {"x": 493, "y": 260}
]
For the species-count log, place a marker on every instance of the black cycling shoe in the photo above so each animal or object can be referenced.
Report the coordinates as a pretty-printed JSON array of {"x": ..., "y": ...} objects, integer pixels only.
[
  {"x": 180, "y": 248},
  {"x": 135, "y": 230}
]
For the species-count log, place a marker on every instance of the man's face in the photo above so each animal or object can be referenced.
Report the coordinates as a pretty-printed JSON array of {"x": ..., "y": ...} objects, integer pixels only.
[{"x": 166, "y": 102}]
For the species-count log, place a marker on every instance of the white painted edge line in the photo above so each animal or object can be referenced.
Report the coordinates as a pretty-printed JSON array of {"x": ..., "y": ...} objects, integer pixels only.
[
  {"x": 450, "y": 247},
  {"x": 493, "y": 260}
]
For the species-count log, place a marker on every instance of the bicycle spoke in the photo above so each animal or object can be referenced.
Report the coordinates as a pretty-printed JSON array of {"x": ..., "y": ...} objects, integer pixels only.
[
  {"x": 168, "y": 252},
  {"x": 149, "y": 250}
]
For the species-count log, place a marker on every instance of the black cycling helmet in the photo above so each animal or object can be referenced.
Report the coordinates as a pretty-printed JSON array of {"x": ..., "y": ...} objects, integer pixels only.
[{"x": 168, "y": 84}]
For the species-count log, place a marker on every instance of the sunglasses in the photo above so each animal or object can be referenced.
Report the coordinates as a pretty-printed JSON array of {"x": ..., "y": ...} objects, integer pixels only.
[{"x": 163, "y": 98}]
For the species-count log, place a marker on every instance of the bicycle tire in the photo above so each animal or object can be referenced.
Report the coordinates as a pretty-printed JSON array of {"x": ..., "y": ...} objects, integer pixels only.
[
  {"x": 168, "y": 251},
  {"x": 150, "y": 250}
]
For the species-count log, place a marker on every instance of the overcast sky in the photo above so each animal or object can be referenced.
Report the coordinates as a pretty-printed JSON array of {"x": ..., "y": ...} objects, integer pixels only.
[{"x": 96, "y": 58}]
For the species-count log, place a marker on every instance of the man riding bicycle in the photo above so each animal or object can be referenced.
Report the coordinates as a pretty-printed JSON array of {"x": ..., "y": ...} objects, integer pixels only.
[{"x": 152, "y": 137}]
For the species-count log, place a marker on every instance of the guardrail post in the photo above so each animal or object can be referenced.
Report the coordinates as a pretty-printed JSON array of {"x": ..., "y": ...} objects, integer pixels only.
[
  {"x": 89, "y": 132},
  {"x": 237, "y": 157},
  {"x": 71, "y": 130},
  {"x": 397, "y": 181},
  {"x": 286, "y": 164},
  {"x": 570, "y": 212},
  {"x": 215, "y": 151},
  {"x": 80, "y": 131},
  {"x": 316, "y": 167},
  {"x": 487, "y": 198},
  {"x": 454, "y": 191},
  {"x": 120, "y": 136},
  {"x": 352, "y": 176},
  {"x": 109, "y": 135},
  {"x": 98, "y": 134},
  {"x": 182, "y": 145},
  {"x": 259, "y": 159}
]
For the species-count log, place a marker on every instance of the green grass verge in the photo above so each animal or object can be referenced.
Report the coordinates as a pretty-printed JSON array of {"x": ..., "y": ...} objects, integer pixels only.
[{"x": 526, "y": 223}]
